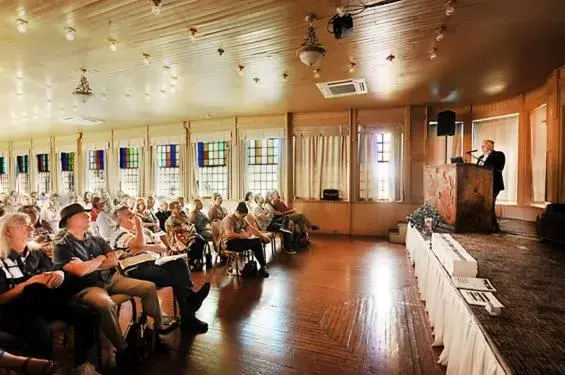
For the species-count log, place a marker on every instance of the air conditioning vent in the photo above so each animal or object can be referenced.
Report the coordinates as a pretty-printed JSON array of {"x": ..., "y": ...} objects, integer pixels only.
[
  {"x": 83, "y": 121},
  {"x": 348, "y": 87}
]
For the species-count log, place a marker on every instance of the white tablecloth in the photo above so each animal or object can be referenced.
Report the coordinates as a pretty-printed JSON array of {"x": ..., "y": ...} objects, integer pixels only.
[{"x": 466, "y": 351}]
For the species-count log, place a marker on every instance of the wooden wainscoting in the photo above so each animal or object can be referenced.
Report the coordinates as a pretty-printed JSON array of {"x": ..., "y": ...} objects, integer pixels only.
[
  {"x": 367, "y": 218},
  {"x": 376, "y": 218},
  {"x": 331, "y": 216}
]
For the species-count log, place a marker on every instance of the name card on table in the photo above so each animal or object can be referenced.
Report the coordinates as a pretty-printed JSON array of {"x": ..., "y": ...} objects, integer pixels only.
[{"x": 454, "y": 258}]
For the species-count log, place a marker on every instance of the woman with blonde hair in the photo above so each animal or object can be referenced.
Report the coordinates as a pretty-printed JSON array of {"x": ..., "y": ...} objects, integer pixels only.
[{"x": 32, "y": 294}]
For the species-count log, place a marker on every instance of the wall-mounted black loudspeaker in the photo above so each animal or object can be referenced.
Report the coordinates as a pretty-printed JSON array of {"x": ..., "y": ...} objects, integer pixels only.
[{"x": 445, "y": 123}]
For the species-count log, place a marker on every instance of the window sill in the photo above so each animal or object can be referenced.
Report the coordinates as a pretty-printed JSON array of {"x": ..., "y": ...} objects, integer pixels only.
[{"x": 299, "y": 200}]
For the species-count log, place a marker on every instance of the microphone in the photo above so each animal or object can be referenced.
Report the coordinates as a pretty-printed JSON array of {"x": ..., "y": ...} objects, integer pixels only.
[{"x": 470, "y": 152}]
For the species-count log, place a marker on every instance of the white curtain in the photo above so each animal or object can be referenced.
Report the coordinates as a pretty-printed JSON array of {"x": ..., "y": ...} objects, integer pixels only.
[
  {"x": 504, "y": 132},
  {"x": 437, "y": 144},
  {"x": 380, "y": 179},
  {"x": 321, "y": 162},
  {"x": 538, "y": 131}
]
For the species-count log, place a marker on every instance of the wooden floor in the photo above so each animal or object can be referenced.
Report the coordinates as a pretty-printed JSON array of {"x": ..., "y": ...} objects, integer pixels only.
[{"x": 346, "y": 306}]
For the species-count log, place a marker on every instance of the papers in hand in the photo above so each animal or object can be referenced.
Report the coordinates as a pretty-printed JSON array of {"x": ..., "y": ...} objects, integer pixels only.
[
  {"x": 473, "y": 283},
  {"x": 138, "y": 259},
  {"x": 169, "y": 258}
]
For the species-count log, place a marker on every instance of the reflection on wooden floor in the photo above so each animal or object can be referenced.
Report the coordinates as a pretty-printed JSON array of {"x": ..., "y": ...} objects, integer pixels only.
[{"x": 343, "y": 307}]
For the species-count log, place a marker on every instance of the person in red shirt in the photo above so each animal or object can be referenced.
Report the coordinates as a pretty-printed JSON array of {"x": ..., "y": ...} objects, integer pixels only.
[
  {"x": 296, "y": 217},
  {"x": 96, "y": 203}
]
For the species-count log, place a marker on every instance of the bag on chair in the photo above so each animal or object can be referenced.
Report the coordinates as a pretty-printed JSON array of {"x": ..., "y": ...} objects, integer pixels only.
[{"x": 249, "y": 270}]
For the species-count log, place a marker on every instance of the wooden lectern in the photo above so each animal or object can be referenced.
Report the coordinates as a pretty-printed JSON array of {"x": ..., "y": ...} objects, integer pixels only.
[{"x": 462, "y": 193}]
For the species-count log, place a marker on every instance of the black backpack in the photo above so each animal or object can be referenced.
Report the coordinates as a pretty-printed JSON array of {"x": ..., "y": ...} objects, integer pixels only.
[{"x": 249, "y": 270}]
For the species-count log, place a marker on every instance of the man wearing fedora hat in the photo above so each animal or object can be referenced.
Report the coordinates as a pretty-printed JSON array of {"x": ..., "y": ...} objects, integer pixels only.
[{"x": 90, "y": 262}]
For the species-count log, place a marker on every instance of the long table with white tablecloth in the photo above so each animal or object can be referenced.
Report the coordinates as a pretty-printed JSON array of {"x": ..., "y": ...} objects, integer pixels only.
[{"x": 467, "y": 350}]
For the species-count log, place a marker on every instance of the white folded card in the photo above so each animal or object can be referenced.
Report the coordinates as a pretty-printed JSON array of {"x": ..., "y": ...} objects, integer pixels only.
[
  {"x": 480, "y": 298},
  {"x": 454, "y": 258},
  {"x": 473, "y": 283}
]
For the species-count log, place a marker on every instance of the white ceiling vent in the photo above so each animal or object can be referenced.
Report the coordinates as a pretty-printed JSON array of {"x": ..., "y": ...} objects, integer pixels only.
[
  {"x": 347, "y": 87},
  {"x": 83, "y": 121}
]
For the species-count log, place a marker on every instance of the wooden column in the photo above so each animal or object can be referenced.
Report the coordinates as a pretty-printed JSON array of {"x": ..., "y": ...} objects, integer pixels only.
[
  {"x": 353, "y": 166},
  {"x": 80, "y": 167},
  {"x": 524, "y": 158},
  {"x": 289, "y": 157}
]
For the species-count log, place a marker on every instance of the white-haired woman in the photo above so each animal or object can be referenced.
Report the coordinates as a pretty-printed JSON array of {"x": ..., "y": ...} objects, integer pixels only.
[{"x": 32, "y": 294}]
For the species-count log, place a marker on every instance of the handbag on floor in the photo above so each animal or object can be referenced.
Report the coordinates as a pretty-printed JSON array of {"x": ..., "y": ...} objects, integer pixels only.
[{"x": 249, "y": 270}]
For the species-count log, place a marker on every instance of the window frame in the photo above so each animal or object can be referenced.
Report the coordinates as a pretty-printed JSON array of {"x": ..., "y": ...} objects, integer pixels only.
[
  {"x": 163, "y": 173},
  {"x": 261, "y": 168}
]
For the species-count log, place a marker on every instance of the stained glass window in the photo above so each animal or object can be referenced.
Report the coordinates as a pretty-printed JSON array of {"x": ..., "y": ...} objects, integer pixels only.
[
  {"x": 22, "y": 174},
  {"x": 96, "y": 172},
  {"x": 129, "y": 170},
  {"x": 3, "y": 175},
  {"x": 168, "y": 170},
  {"x": 263, "y": 156},
  {"x": 43, "y": 175},
  {"x": 67, "y": 171},
  {"x": 212, "y": 168}
]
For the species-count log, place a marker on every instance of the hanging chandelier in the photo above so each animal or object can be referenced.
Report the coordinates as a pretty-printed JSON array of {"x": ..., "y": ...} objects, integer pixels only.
[
  {"x": 83, "y": 90},
  {"x": 312, "y": 52}
]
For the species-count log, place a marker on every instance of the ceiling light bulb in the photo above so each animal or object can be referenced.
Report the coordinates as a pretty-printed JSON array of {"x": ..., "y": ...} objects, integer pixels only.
[
  {"x": 192, "y": 32},
  {"x": 146, "y": 59},
  {"x": 113, "y": 44},
  {"x": 163, "y": 92},
  {"x": 156, "y": 9},
  {"x": 20, "y": 95},
  {"x": 21, "y": 24},
  {"x": 69, "y": 33},
  {"x": 103, "y": 96},
  {"x": 285, "y": 76},
  {"x": 433, "y": 55},
  {"x": 256, "y": 80},
  {"x": 174, "y": 80},
  {"x": 439, "y": 37},
  {"x": 352, "y": 67},
  {"x": 449, "y": 9},
  {"x": 147, "y": 96},
  {"x": 316, "y": 73},
  {"x": 241, "y": 70},
  {"x": 221, "y": 51}
]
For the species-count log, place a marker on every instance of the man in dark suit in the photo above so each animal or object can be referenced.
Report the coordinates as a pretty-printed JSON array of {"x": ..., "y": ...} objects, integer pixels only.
[{"x": 495, "y": 160}]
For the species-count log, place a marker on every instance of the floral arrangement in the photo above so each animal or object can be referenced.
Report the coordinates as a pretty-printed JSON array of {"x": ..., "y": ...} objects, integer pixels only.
[{"x": 419, "y": 216}]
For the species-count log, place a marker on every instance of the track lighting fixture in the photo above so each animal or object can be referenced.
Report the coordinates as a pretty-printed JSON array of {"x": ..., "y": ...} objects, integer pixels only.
[
  {"x": 192, "y": 32},
  {"x": 241, "y": 70},
  {"x": 21, "y": 24},
  {"x": 440, "y": 34},
  {"x": 156, "y": 9},
  {"x": 449, "y": 8},
  {"x": 69, "y": 33},
  {"x": 113, "y": 44},
  {"x": 433, "y": 54},
  {"x": 146, "y": 58}
]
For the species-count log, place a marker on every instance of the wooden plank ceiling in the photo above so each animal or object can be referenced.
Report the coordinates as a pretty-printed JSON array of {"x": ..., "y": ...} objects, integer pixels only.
[{"x": 491, "y": 50}]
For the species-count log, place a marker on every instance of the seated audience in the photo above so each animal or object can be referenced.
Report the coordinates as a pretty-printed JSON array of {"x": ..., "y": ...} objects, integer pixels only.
[
  {"x": 105, "y": 222},
  {"x": 148, "y": 218},
  {"x": 182, "y": 236},
  {"x": 298, "y": 218},
  {"x": 134, "y": 240},
  {"x": 96, "y": 208},
  {"x": 265, "y": 218},
  {"x": 163, "y": 214},
  {"x": 151, "y": 204},
  {"x": 200, "y": 220},
  {"x": 216, "y": 211},
  {"x": 50, "y": 212},
  {"x": 250, "y": 202},
  {"x": 87, "y": 199},
  {"x": 32, "y": 294},
  {"x": 118, "y": 198},
  {"x": 89, "y": 260},
  {"x": 239, "y": 236},
  {"x": 42, "y": 234}
]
